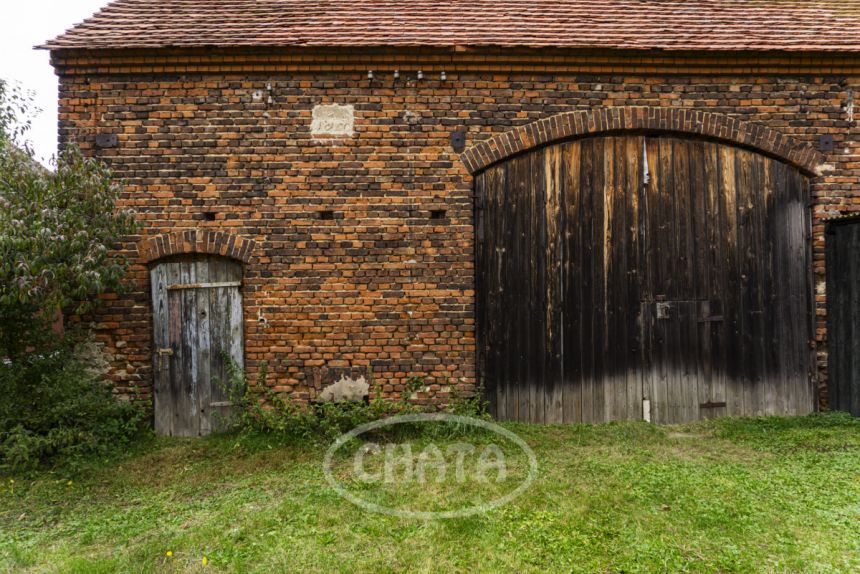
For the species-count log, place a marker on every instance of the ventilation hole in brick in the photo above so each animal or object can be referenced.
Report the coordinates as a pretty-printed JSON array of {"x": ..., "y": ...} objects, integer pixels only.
[
  {"x": 326, "y": 214},
  {"x": 209, "y": 215},
  {"x": 437, "y": 214}
]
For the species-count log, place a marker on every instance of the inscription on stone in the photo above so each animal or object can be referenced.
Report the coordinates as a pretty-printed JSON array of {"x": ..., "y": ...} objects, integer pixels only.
[{"x": 332, "y": 120}]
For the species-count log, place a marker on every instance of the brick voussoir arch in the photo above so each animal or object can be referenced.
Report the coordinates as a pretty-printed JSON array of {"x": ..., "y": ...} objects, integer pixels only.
[
  {"x": 195, "y": 241},
  {"x": 570, "y": 125}
]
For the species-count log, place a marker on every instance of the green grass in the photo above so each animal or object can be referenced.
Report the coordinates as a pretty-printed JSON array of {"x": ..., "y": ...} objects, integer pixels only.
[{"x": 746, "y": 495}]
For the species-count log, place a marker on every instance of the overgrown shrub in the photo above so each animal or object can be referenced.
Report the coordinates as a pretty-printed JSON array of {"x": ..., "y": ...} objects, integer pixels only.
[
  {"x": 262, "y": 410},
  {"x": 53, "y": 412}
]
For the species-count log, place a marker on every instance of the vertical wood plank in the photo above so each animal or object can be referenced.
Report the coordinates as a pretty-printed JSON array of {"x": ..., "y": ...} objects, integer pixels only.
[
  {"x": 513, "y": 299},
  {"x": 760, "y": 281},
  {"x": 808, "y": 301},
  {"x": 190, "y": 402},
  {"x": 481, "y": 293},
  {"x": 553, "y": 333},
  {"x": 525, "y": 287},
  {"x": 835, "y": 306},
  {"x": 701, "y": 266},
  {"x": 784, "y": 340},
  {"x": 498, "y": 195},
  {"x": 175, "y": 333},
  {"x": 237, "y": 340},
  {"x": 746, "y": 272},
  {"x": 685, "y": 364},
  {"x": 603, "y": 167},
  {"x": 518, "y": 295},
  {"x": 203, "y": 379},
  {"x": 846, "y": 362},
  {"x": 716, "y": 336},
  {"x": 653, "y": 286},
  {"x": 617, "y": 281},
  {"x": 608, "y": 243},
  {"x": 534, "y": 279},
  {"x": 769, "y": 305},
  {"x": 572, "y": 282},
  {"x": 588, "y": 192},
  {"x": 634, "y": 188},
  {"x": 731, "y": 280},
  {"x": 162, "y": 403},
  {"x": 798, "y": 213},
  {"x": 668, "y": 329},
  {"x": 218, "y": 333},
  {"x": 688, "y": 360}
]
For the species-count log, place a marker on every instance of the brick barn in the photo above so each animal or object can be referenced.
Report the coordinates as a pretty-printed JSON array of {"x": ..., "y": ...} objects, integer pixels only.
[{"x": 598, "y": 210}]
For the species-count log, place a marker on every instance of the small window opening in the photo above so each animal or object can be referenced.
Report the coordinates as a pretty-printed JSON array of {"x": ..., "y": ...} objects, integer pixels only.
[
  {"x": 326, "y": 214},
  {"x": 437, "y": 214},
  {"x": 209, "y": 215}
]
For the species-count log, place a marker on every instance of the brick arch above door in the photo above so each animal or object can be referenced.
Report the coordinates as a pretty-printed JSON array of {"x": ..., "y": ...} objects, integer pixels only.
[
  {"x": 570, "y": 125},
  {"x": 195, "y": 241}
]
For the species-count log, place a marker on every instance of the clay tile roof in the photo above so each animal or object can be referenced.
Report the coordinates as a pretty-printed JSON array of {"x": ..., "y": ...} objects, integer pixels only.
[{"x": 758, "y": 25}]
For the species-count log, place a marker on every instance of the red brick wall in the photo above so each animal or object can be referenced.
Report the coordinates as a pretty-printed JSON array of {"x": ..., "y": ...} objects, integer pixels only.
[{"x": 381, "y": 287}]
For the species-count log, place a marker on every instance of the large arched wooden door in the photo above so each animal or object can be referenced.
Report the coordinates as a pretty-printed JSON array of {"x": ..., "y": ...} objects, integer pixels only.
[
  {"x": 629, "y": 277},
  {"x": 197, "y": 320}
]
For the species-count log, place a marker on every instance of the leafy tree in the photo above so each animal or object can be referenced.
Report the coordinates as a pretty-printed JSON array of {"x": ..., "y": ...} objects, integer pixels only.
[{"x": 57, "y": 231}]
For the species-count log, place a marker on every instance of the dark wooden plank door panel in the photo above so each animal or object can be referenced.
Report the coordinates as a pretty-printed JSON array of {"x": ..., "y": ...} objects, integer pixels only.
[
  {"x": 843, "y": 316},
  {"x": 581, "y": 243},
  {"x": 197, "y": 320}
]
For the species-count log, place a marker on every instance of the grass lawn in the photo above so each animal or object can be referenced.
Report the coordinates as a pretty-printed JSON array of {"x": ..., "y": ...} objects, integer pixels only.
[{"x": 747, "y": 495}]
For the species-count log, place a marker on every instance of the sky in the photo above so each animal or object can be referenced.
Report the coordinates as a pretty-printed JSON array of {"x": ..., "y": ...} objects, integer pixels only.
[{"x": 24, "y": 24}]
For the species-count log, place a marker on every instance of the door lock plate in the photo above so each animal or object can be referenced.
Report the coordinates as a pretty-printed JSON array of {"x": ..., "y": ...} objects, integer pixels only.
[{"x": 663, "y": 310}]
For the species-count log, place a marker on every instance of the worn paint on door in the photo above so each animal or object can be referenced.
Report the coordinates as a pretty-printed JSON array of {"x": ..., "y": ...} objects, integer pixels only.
[{"x": 197, "y": 321}]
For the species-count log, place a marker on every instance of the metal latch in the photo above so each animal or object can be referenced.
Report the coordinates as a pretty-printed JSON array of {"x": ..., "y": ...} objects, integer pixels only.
[
  {"x": 663, "y": 310},
  {"x": 163, "y": 355}
]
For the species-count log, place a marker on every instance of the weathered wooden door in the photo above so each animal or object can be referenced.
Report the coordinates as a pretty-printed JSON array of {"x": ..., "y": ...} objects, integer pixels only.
[
  {"x": 621, "y": 277},
  {"x": 843, "y": 316},
  {"x": 197, "y": 316}
]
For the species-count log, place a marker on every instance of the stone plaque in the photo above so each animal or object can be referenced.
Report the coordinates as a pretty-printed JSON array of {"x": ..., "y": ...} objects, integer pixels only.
[{"x": 332, "y": 120}]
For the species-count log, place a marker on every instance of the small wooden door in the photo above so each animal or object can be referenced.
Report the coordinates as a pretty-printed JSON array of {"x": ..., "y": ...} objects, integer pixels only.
[{"x": 197, "y": 316}]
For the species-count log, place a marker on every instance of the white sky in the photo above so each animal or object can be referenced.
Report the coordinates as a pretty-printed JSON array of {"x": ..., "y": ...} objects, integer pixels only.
[{"x": 24, "y": 24}]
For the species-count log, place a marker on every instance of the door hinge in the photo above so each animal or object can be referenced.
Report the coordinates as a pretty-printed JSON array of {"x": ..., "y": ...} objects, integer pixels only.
[{"x": 162, "y": 352}]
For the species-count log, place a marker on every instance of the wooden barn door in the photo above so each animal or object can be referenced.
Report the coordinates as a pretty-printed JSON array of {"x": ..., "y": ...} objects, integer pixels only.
[
  {"x": 625, "y": 277},
  {"x": 685, "y": 266},
  {"x": 843, "y": 316},
  {"x": 197, "y": 316}
]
